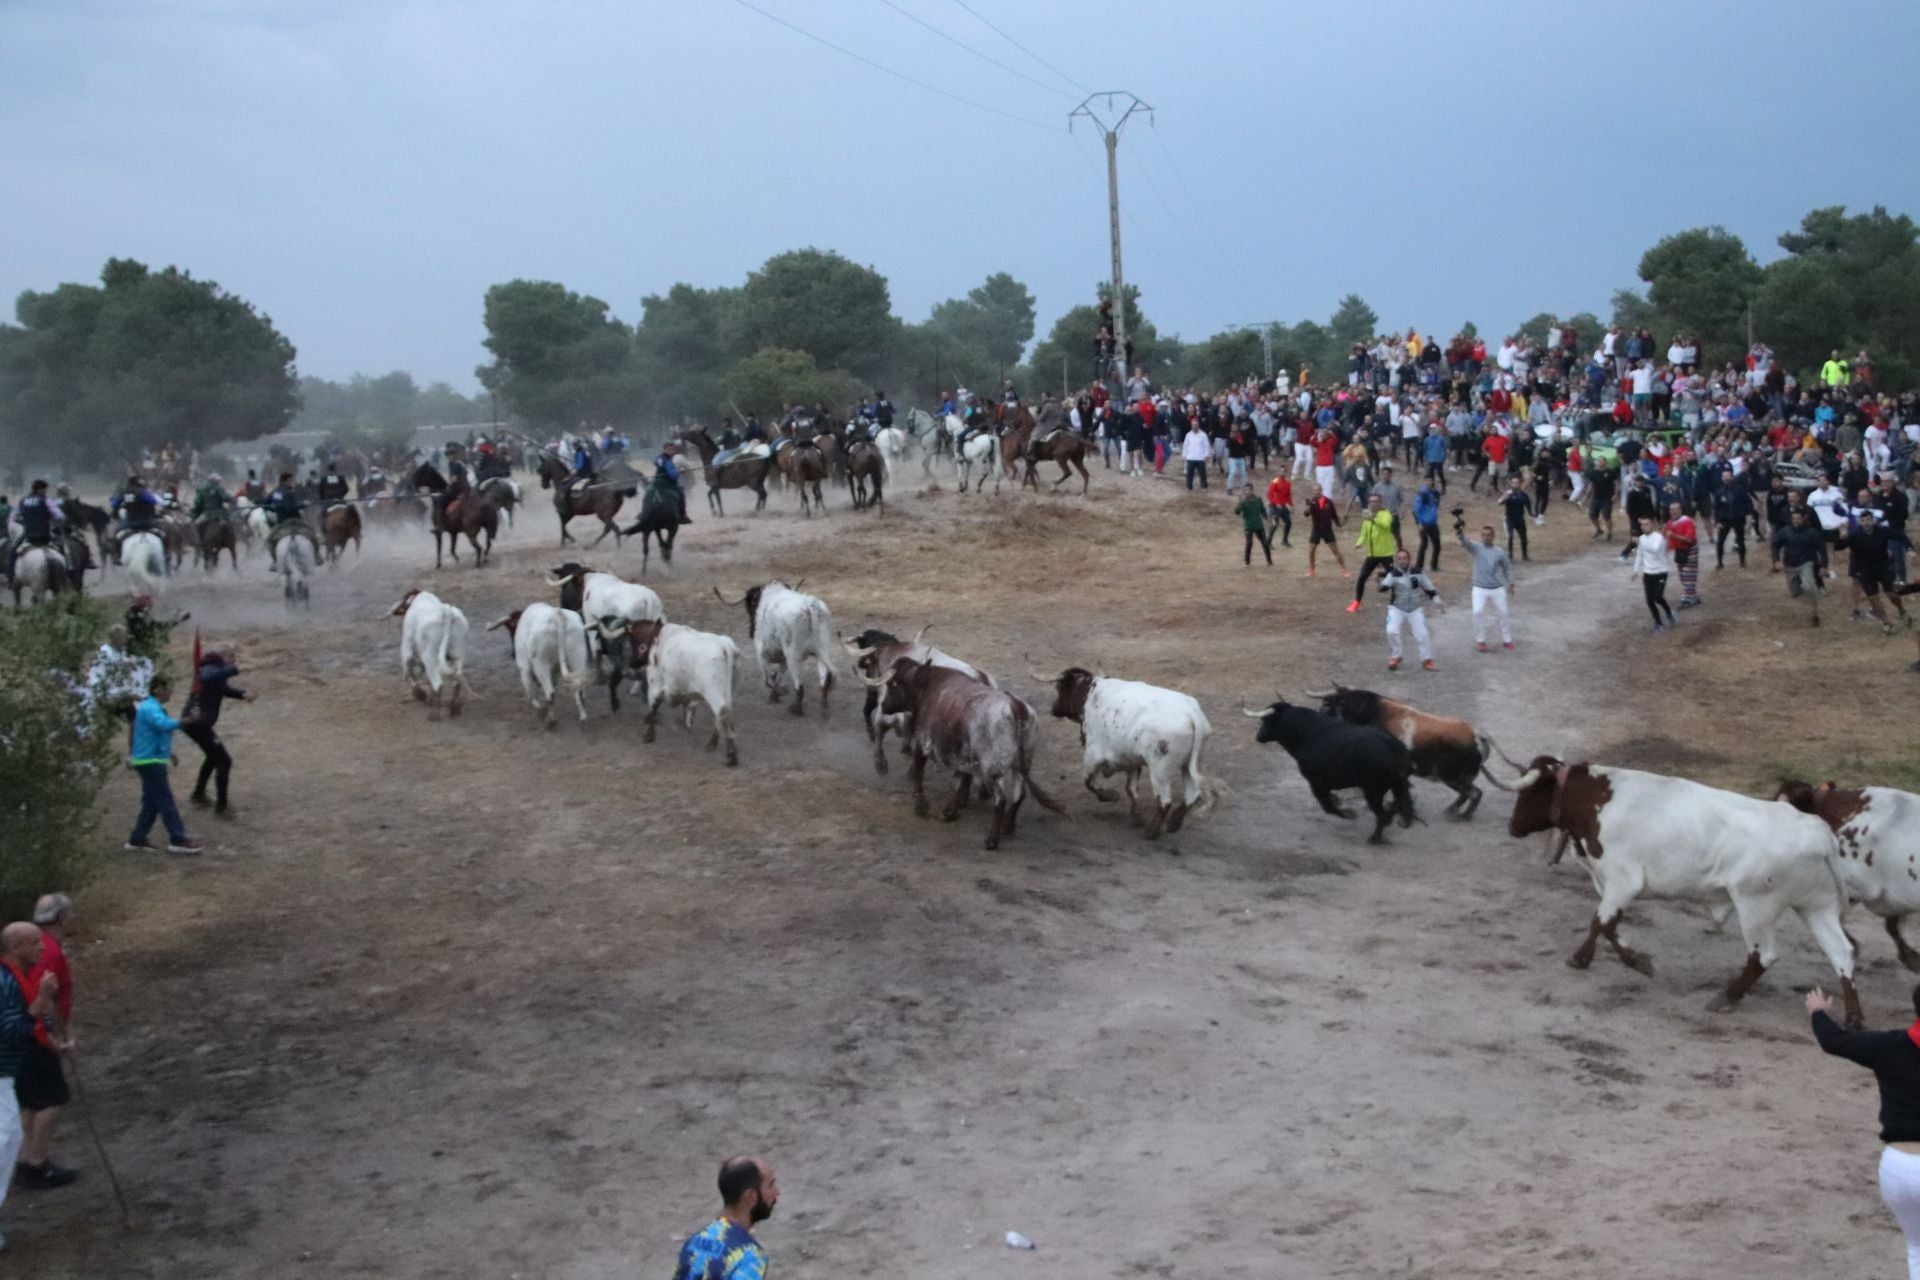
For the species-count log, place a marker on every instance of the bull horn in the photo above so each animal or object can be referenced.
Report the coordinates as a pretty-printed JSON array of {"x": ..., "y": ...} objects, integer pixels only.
[
  {"x": 874, "y": 682},
  {"x": 495, "y": 626},
  {"x": 723, "y": 600},
  {"x": 1320, "y": 693},
  {"x": 858, "y": 653},
  {"x": 915, "y": 642},
  {"x": 796, "y": 586},
  {"x": 559, "y": 582},
  {"x": 1251, "y": 714}
]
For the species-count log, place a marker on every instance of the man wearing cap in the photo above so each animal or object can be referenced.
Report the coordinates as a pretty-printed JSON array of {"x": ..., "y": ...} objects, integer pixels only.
[{"x": 41, "y": 1085}]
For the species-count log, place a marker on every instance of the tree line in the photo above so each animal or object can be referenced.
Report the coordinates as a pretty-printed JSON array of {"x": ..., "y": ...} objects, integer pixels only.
[{"x": 90, "y": 374}]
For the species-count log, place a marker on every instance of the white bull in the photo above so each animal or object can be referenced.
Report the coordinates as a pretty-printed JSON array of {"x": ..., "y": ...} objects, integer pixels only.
[
  {"x": 601, "y": 596},
  {"x": 1879, "y": 833},
  {"x": 549, "y": 646},
  {"x": 1639, "y": 832},
  {"x": 1128, "y": 728},
  {"x": 788, "y": 628},
  {"x": 682, "y": 667},
  {"x": 433, "y": 650}
]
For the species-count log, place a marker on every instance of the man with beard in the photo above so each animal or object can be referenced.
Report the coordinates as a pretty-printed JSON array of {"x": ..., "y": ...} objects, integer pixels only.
[{"x": 725, "y": 1249}]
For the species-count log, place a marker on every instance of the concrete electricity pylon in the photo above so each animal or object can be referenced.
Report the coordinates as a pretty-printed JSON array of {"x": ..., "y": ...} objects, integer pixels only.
[{"x": 1109, "y": 112}]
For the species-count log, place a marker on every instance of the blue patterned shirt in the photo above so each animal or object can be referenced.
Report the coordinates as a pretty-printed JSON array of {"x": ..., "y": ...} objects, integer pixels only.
[{"x": 722, "y": 1251}]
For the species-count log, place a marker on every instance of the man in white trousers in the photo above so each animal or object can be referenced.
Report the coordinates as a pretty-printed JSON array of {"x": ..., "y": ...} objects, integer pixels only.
[
  {"x": 1408, "y": 591},
  {"x": 19, "y": 953},
  {"x": 1492, "y": 580}
]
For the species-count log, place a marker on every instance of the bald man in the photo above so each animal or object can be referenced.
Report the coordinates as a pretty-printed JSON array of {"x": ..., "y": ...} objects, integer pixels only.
[
  {"x": 41, "y": 1083},
  {"x": 19, "y": 952},
  {"x": 725, "y": 1249}
]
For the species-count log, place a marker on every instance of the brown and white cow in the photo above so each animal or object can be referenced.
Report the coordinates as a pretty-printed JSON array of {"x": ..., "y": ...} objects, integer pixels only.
[
  {"x": 1639, "y": 832},
  {"x": 1879, "y": 833},
  {"x": 874, "y": 652},
  {"x": 982, "y": 734},
  {"x": 1443, "y": 748}
]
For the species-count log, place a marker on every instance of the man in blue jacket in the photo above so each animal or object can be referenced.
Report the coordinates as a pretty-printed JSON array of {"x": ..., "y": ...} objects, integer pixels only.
[
  {"x": 1426, "y": 515},
  {"x": 1433, "y": 451},
  {"x": 152, "y": 753}
]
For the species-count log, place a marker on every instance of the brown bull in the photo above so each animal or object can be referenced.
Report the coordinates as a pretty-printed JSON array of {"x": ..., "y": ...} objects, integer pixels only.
[{"x": 339, "y": 525}]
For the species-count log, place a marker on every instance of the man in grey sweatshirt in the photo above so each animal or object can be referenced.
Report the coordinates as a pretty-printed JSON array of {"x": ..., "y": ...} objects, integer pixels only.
[{"x": 1492, "y": 581}]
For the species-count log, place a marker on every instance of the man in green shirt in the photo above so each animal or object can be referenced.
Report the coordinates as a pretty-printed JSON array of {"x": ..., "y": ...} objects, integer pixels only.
[{"x": 1253, "y": 519}]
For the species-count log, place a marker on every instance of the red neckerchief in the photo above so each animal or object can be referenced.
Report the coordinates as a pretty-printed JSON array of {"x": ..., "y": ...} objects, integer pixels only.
[{"x": 1913, "y": 1034}]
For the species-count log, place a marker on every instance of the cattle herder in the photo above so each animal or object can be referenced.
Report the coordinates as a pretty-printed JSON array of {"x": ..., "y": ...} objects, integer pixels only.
[
  {"x": 284, "y": 506},
  {"x": 210, "y": 505}
]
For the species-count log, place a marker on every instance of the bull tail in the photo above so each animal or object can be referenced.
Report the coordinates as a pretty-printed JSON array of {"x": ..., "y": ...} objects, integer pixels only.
[
  {"x": 1489, "y": 748},
  {"x": 1047, "y": 802},
  {"x": 1209, "y": 790},
  {"x": 1028, "y": 733}
]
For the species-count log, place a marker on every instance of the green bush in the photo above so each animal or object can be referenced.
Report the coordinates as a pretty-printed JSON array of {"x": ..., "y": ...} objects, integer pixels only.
[{"x": 56, "y": 749}]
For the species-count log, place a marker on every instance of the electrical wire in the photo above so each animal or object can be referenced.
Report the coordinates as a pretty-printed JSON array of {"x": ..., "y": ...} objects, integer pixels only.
[
  {"x": 1139, "y": 233},
  {"x": 898, "y": 75},
  {"x": 1022, "y": 48},
  {"x": 1179, "y": 227},
  {"x": 984, "y": 57},
  {"x": 1200, "y": 213}
]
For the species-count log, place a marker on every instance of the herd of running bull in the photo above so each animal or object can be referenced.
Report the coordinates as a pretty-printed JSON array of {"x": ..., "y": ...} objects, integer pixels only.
[{"x": 1807, "y": 851}]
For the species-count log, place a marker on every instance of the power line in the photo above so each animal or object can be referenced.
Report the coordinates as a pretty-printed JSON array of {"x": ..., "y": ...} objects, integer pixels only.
[
  {"x": 1200, "y": 213},
  {"x": 1022, "y": 48},
  {"x": 984, "y": 57},
  {"x": 898, "y": 75},
  {"x": 1180, "y": 227},
  {"x": 1138, "y": 230}
]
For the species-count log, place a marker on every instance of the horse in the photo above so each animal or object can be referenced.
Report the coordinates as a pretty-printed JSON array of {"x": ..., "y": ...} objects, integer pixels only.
[
  {"x": 295, "y": 566},
  {"x": 259, "y": 525},
  {"x": 740, "y": 473},
  {"x": 214, "y": 536},
  {"x": 659, "y": 518},
  {"x": 144, "y": 554},
  {"x": 865, "y": 463},
  {"x": 85, "y": 515},
  {"x": 804, "y": 466},
  {"x": 601, "y": 499},
  {"x": 177, "y": 532},
  {"x": 1016, "y": 428},
  {"x": 471, "y": 515},
  {"x": 983, "y": 450},
  {"x": 1063, "y": 448},
  {"x": 42, "y": 572},
  {"x": 339, "y": 525},
  {"x": 506, "y": 494},
  {"x": 893, "y": 444}
]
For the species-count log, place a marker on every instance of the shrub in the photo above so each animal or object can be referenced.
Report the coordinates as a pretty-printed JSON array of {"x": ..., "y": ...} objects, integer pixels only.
[{"x": 56, "y": 748}]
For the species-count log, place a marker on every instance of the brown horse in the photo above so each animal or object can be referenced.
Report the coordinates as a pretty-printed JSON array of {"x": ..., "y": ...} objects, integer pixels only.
[
  {"x": 1063, "y": 449},
  {"x": 805, "y": 467},
  {"x": 1016, "y": 428},
  {"x": 864, "y": 467},
  {"x": 339, "y": 526},
  {"x": 216, "y": 534},
  {"x": 472, "y": 515},
  {"x": 741, "y": 473},
  {"x": 600, "y": 499}
]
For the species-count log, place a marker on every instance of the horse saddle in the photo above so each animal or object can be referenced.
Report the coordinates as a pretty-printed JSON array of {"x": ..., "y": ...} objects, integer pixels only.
[
  {"x": 452, "y": 511},
  {"x": 1044, "y": 436},
  {"x": 742, "y": 453},
  {"x": 782, "y": 443},
  {"x": 336, "y": 505}
]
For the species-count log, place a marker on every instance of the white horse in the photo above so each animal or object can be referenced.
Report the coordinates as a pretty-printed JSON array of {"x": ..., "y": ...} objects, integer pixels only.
[
  {"x": 144, "y": 554},
  {"x": 259, "y": 524},
  {"x": 893, "y": 444},
  {"x": 41, "y": 571},
  {"x": 983, "y": 450},
  {"x": 298, "y": 555}
]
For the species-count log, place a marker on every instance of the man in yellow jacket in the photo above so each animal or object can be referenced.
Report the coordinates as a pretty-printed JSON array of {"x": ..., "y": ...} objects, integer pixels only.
[
  {"x": 1376, "y": 542},
  {"x": 1834, "y": 371}
]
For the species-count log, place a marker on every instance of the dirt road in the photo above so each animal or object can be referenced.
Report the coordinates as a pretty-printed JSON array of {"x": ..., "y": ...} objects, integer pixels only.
[{"x": 466, "y": 998}]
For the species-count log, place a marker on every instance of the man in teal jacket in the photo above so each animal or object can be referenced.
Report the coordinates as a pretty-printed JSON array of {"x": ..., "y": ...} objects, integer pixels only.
[{"x": 152, "y": 753}]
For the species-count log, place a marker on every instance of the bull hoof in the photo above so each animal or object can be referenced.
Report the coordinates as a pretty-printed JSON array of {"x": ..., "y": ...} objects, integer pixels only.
[
  {"x": 921, "y": 808},
  {"x": 1377, "y": 838},
  {"x": 648, "y": 735},
  {"x": 733, "y": 758},
  {"x": 880, "y": 765},
  {"x": 774, "y": 695},
  {"x": 993, "y": 842},
  {"x": 1135, "y": 820},
  {"x": 797, "y": 709},
  {"x": 1722, "y": 1003},
  {"x": 433, "y": 713},
  {"x": 553, "y": 726},
  {"x": 1343, "y": 813},
  {"x": 1153, "y": 831},
  {"x": 1638, "y": 963},
  {"x": 949, "y": 814},
  {"x": 1911, "y": 959},
  {"x": 713, "y": 744},
  {"x": 1579, "y": 960},
  {"x": 454, "y": 711},
  {"x": 419, "y": 695}
]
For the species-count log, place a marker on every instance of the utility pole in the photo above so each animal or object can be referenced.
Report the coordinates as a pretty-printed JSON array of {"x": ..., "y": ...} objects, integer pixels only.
[
  {"x": 1265, "y": 330},
  {"x": 1109, "y": 112}
]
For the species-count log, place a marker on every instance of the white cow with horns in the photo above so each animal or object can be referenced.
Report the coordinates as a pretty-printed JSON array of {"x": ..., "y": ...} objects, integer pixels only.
[
  {"x": 549, "y": 646},
  {"x": 1640, "y": 833},
  {"x": 680, "y": 667},
  {"x": 788, "y": 628},
  {"x": 433, "y": 650},
  {"x": 1128, "y": 728}
]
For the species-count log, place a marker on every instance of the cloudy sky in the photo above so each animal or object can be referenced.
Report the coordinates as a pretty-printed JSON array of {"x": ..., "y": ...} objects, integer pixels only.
[{"x": 363, "y": 169}]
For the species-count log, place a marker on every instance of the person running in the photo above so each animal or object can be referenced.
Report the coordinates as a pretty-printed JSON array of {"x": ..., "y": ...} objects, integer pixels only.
[
  {"x": 1280, "y": 509},
  {"x": 1253, "y": 520},
  {"x": 725, "y": 1249},
  {"x": 1653, "y": 565},
  {"x": 1323, "y": 519},
  {"x": 1492, "y": 580},
  {"x": 216, "y": 672},
  {"x": 1377, "y": 543},
  {"x": 1684, "y": 539},
  {"x": 1894, "y": 1059},
  {"x": 1870, "y": 568},
  {"x": 1801, "y": 551},
  {"x": 1517, "y": 506},
  {"x": 1426, "y": 518},
  {"x": 1405, "y": 585},
  {"x": 1601, "y": 480},
  {"x": 1732, "y": 509},
  {"x": 152, "y": 753}
]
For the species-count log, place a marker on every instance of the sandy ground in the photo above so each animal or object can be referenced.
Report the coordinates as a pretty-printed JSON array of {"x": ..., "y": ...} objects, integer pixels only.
[{"x": 467, "y": 998}]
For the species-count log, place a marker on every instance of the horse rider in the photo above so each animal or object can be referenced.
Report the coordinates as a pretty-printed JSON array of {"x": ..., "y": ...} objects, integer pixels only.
[
  {"x": 752, "y": 430},
  {"x": 253, "y": 491},
  {"x": 582, "y": 466},
  {"x": 882, "y": 409},
  {"x": 38, "y": 514},
  {"x": 449, "y": 498},
  {"x": 210, "y": 506},
  {"x": 374, "y": 482},
  {"x": 666, "y": 476},
  {"x": 489, "y": 464},
  {"x": 283, "y": 507},
  {"x": 1049, "y": 417},
  {"x": 137, "y": 507},
  {"x": 331, "y": 489},
  {"x": 729, "y": 437}
]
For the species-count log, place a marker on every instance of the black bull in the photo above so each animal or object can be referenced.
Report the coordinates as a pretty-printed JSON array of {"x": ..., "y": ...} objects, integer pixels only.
[
  {"x": 1336, "y": 756},
  {"x": 1444, "y": 749}
]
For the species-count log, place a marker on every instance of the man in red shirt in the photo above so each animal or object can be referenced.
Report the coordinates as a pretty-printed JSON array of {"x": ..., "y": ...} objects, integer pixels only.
[
  {"x": 1683, "y": 539},
  {"x": 1495, "y": 447},
  {"x": 1326, "y": 448},
  {"x": 1280, "y": 509},
  {"x": 41, "y": 1085}
]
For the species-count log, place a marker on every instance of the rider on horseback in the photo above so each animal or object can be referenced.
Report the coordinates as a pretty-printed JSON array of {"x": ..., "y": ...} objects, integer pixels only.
[
  {"x": 253, "y": 491},
  {"x": 210, "y": 506},
  {"x": 489, "y": 464},
  {"x": 138, "y": 508},
  {"x": 38, "y": 514},
  {"x": 332, "y": 488},
  {"x": 283, "y": 507},
  {"x": 582, "y": 466},
  {"x": 666, "y": 480}
]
